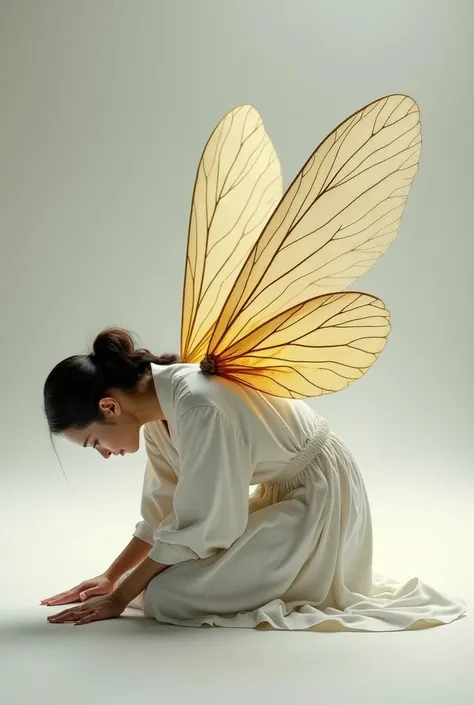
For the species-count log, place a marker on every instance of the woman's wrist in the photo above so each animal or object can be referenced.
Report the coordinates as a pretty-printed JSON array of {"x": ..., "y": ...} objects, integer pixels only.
[
  {"x": 132, "y": 555},
  {"x": 113, "y": 575},
  {"x": 137, "y": 581},
  {"x": 120, "y": 598}
]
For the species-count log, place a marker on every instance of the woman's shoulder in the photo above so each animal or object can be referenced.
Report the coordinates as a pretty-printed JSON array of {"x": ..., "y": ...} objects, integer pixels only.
[
  {"x": 193, "y": 388},
  {"x": 182, "y": 386}
]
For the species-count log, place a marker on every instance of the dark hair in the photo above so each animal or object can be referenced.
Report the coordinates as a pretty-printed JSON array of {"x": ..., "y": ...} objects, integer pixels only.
[{"x": 74, "y": 387}]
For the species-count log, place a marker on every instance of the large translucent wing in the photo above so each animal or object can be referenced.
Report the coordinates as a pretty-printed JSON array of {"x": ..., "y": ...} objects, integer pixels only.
[
  {"x": 316, "y": 347},
  {"x": 337, "y": 218},
  {"x": 238, "y": 185}
]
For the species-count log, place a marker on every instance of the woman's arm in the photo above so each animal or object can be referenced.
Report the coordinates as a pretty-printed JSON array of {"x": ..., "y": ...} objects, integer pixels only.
[
  {"x": 211, "y": 500},
  {"x": 137, "y": 581},
  {"x": 159, "y": 485},
  {"x": 133, "y": 554}
]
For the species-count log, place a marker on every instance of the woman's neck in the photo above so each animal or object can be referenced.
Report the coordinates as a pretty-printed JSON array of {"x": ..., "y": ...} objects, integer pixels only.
[{"x": 148, "y": 407}]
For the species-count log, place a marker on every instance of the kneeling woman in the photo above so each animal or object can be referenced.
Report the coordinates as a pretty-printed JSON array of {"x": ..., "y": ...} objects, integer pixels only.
[{"x": 295, "y": 555}]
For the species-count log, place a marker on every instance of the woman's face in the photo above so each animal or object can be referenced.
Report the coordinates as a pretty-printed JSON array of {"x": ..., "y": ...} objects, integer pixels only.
[{"x": 119, "y": 434}]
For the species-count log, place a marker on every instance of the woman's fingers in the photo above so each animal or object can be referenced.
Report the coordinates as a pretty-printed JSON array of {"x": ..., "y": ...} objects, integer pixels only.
[
  {"x": 64, "y": 618},
  {"x": 68, "y": 615},
  {"x": 60, "y": 594},
  {"x": 57, "y": 601},
  {"x": 96, "y": 609},
  {"x": 62, "y": 598},
  {"x": 86, "y": 620},
  {"x": 79, "y": 616},
  {"x": 48, "y": 599}
]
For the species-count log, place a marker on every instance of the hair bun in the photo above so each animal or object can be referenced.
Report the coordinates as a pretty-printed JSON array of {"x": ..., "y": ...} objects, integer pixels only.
[
  {"x": 112, "y": 344},
  {"x": 121, "y": 363}
]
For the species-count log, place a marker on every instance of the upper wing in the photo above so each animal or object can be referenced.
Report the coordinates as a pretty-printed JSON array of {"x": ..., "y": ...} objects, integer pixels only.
[
  {"x": 336, "y": 219},
  {"x": 317, "y": 347},
  {"x": 238, "y": 185}
]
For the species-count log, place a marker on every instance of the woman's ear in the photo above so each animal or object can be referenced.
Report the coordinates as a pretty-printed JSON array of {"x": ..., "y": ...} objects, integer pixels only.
[{"x": 110, "y": 407}]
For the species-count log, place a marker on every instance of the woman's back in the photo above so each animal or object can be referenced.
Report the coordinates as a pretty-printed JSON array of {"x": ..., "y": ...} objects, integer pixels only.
[{"x": 274, "y": 429}]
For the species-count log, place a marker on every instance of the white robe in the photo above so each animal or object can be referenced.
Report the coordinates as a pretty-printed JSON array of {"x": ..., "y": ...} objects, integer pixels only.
[{"x": 298, "y": 553}]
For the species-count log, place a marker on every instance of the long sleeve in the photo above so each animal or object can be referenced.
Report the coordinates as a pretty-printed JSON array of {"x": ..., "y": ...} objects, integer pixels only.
[
  {"x": 159, "y": 486},
  {"x": 210, "y": 504}
]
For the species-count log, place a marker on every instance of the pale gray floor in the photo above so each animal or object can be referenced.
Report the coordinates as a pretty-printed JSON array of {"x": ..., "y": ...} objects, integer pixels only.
[{"x": 134, "y": 660}]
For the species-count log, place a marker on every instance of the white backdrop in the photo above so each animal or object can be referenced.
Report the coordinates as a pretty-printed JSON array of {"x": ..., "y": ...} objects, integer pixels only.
[{"x": 106, "y": 107}]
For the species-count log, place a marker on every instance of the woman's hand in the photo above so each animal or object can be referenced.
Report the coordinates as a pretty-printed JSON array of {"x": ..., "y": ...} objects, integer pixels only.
[
  {"x": 97, "y": 608},
  {"x": 100, "y": 585}
]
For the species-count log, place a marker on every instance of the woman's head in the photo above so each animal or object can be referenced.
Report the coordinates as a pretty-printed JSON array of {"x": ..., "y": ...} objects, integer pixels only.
[{"x": 101, "y": 400}]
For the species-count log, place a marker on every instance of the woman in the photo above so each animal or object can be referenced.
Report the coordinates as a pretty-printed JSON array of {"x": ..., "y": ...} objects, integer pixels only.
[{"x": 296, "y": 555}]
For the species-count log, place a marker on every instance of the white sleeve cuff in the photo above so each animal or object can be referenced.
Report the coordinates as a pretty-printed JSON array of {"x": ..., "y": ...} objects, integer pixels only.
[
  {"x": 144, "y": 532},
  {"x": 170, "y": 555}
]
